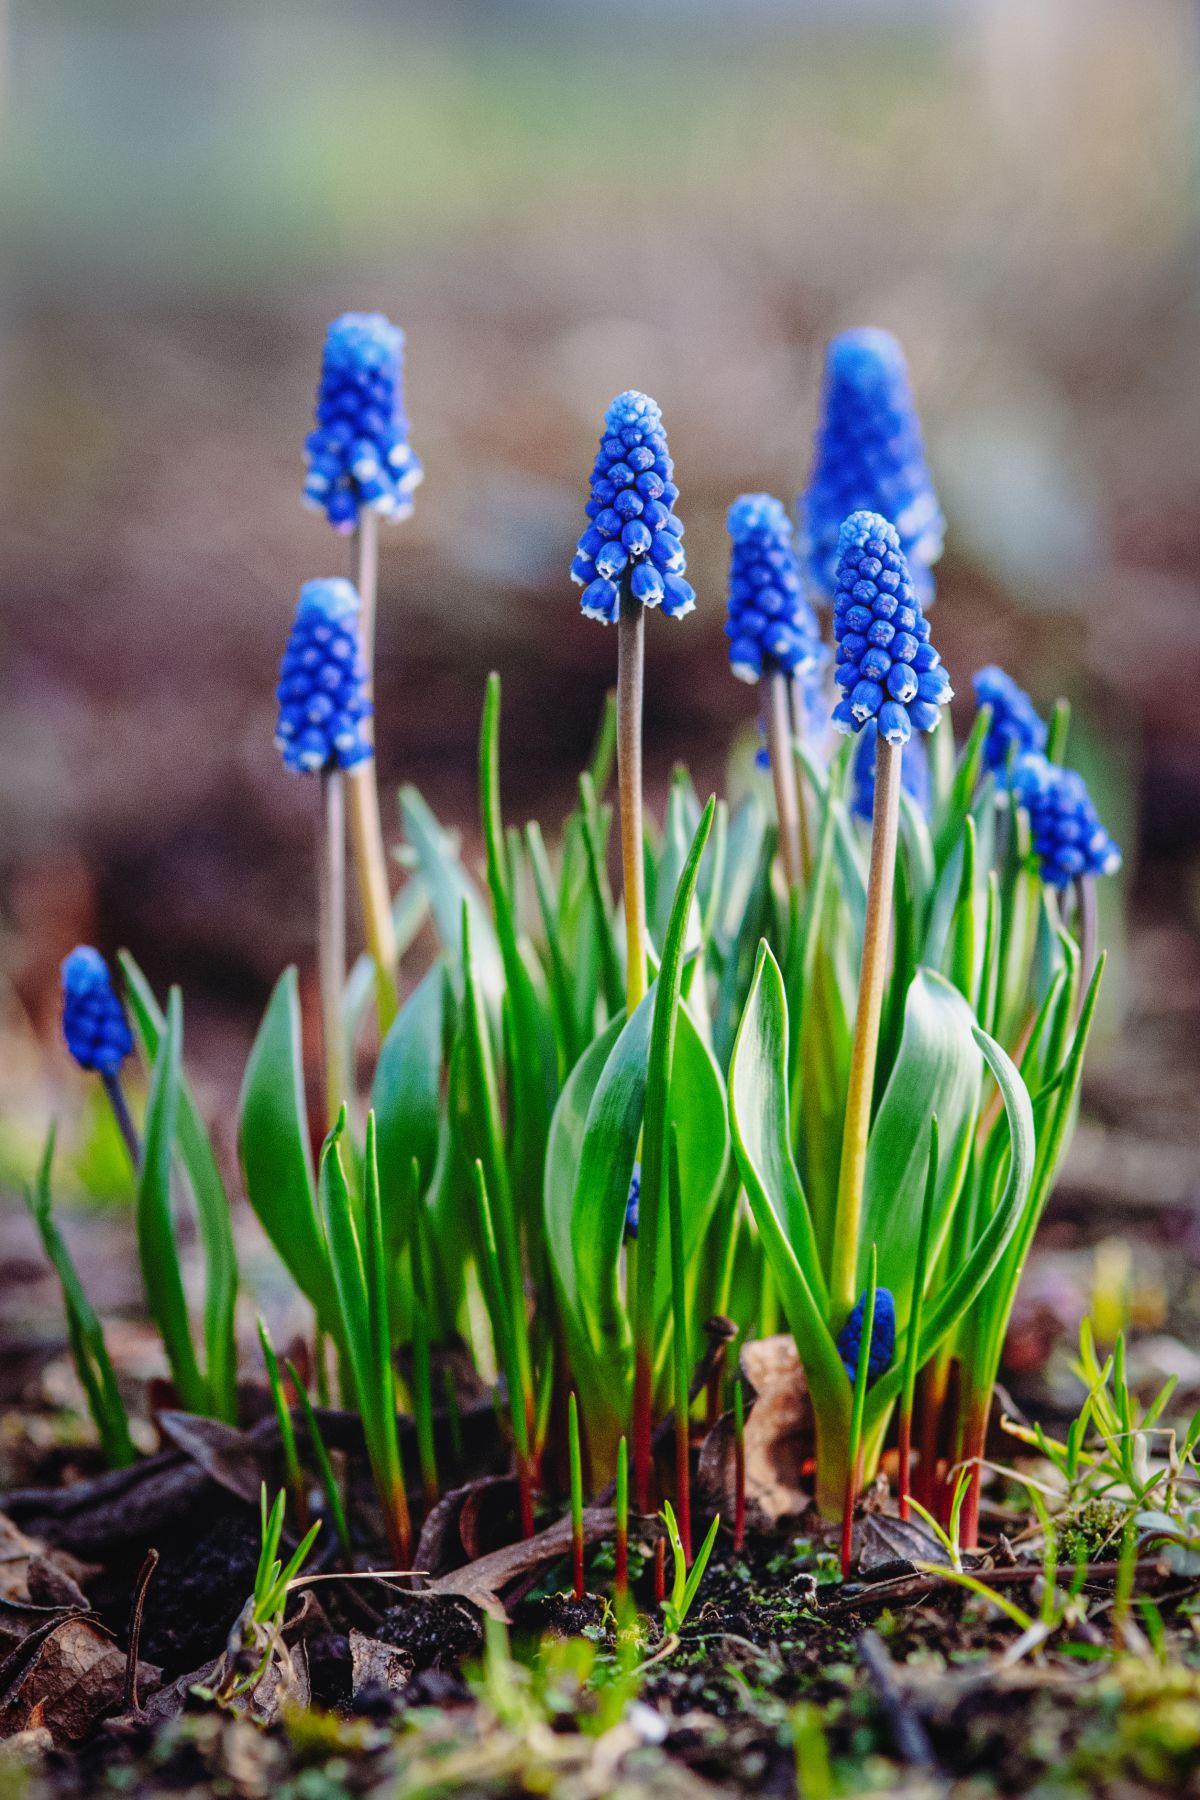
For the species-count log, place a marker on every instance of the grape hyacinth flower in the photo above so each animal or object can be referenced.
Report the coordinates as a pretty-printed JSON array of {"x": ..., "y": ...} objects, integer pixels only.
[
  {"x": 1069, "y": 839},
  {"x": 322, "y": 683},
  {"x": 633, "y": 545},
  {"x": 771, "y": 625},
  {"x": 359, "y": 457},
  {"x": 868, "y": 454},
  {"x": 1016, "y": 727},
  {"x": 890, "y": 675},
  {"x": 887, "y": 668},
  {"x": 883, "y": 1337},
  {"x": 324, "y": 707},
  {"x": 97, "y": 1031},
  {"x": 630, "y": 558},
  {"x": 772, "y": 631}
]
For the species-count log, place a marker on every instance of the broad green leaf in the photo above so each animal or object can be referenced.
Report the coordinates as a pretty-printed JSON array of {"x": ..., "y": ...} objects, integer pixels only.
[
  {"x": 758, "y": 1111},
  {"x": 274, "y": 1150},
  {"x": 938, "y": 1069},
  {"x": 406, "y": 1097},
  {"x": 155, "y": 1223},
  {"x": 211, "y": 1202}
]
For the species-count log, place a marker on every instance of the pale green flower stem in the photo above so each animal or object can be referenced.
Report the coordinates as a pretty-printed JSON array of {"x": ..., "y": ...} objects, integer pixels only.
[
  {"x": 881, "y": 881},
  {"x": 331, "y": 936}
]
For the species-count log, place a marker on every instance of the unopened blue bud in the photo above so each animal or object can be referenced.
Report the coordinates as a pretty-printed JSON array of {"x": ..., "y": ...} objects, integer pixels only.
[
  {"x": 358, "y": 454},
  {"x": 883, "y": 1336},
  {"x": 633, "y": 1204},
  {"x": 771, "y": 626},
  {"x": 868, "y": 455},
  {"x": 633, "y": 541},
  {"x": 322, "y": 690},
  {"x": 1069, "y": 839},
  {"x": 887, "y": 669},
  {"x": 94, "y": 1023}
]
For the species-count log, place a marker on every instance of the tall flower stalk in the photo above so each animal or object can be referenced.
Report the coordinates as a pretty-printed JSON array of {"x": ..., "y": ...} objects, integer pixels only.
[
  {"x": 629, "y": 558},
  {"x": 888, "y": 672},
  {"x": 321, "y": 730},
  {"x": 361, "y": 468},
  {"x": 773, "y": 634}
]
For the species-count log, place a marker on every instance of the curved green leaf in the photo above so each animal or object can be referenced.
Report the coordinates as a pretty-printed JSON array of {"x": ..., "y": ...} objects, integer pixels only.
[
  {"x": 406, "y": 1099},
  {"x": 155, "y": 1224},
  {"x": 273, "y": 1146},
  {"x": 758, "y": 1111},
  {"x": 939, "y": 1069}
]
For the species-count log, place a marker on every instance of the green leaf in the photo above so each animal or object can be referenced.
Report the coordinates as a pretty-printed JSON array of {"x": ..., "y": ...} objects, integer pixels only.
[
  {"x": 410, "y": 909},
  {"x": 155, "y": 1224},
  {"x": 406, "y": 1097},
  {"x": 274, "y": 1150},
  {"x": 450, "y": 889},
  {"x": 211, "y": 1202},
  {"x": 758, "y": 1111},
  {"x": 88, "y": 1348},
  {"x": 939, "y": 1069}
]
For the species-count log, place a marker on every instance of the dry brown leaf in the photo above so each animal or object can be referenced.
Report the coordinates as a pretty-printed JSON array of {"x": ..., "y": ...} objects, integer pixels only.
[
  {"x": 376, "y": 1664},
  {"x": 74, "y": 1677}
]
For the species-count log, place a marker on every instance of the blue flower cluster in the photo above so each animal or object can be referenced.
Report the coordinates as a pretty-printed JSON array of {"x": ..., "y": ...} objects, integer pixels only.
[
  {"x": 359, "y": 454},
  {"x": 887, "y": 668},
  {"x": 868, "y": 455},
  {"x": 93, "y": 1019},
  {"x": 1069, "y": 839},
  {"x": 883, "y": 1336},
  {"x": 914, "y": 773},
  {"x": 1016, "y": 727},
  {"x": 771, "y": 625},
  {"x": 634, "y": 535},
  {"x": 322, "y": 690}
]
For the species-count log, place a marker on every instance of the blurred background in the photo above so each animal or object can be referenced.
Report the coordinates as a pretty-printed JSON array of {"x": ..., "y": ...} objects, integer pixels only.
[{"x": 558, "y": 200}]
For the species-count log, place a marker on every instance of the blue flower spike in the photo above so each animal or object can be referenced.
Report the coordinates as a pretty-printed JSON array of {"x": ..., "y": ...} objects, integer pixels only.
[
  {"x": 887, "y": 668},
  {"x": 1016, "y": 728},
  {"x": 634, "y": 541},
  {"x": 94, "y": 1024},
  {"x": 358, "y": 455},
  {"x": 1069, "y": 838},
  {"x": 771, "y": 625},
  {"x": 883, "y": 1337},
  {"x": 97, "y": 1032},
  {"x": 868, "y": 455},
  {"x": 322, "y": 692}
]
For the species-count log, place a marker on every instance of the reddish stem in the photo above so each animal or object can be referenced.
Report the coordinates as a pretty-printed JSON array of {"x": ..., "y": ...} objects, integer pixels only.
[
  {"x": 660, "y": 1571},
  {"x": 577, "y": 1559},
  {"x": 904, "y": 1472},
  {"x": 974, "y": 1444},
  {"x": 525, "y": 1494},
  {"x": 399, "y": 1529},
  {"x": 641, "y": 1431},
  {"x": 853, "y": 1483}
]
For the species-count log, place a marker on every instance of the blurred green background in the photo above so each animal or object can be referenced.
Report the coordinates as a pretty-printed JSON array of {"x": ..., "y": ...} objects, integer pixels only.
[{"x": 557, "y": 201}]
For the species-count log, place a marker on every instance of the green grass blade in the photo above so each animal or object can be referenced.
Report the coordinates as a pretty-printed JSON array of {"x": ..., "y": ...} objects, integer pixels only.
[{"x": 155, "y": 1223}]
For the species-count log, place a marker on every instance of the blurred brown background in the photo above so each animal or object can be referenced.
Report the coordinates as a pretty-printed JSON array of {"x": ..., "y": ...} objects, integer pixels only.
[{"x": 556, "y": 201}]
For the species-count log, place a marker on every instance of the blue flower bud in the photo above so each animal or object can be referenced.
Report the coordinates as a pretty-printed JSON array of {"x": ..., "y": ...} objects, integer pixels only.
[
  {"x": 771, "y": 625},
  {"x": 94, "y": 1023},
  {"x": 633, "y": 1204},
  {"x": 1069, "y": 839},
  {"x": 322, "y": 690},
  {"x": 633, "y": 541},
  {"x": 886, "y": 667},
  {"x": 868, "y": 456},
  {"x": 1016, "y": 727},
  {"x": 883, "y": 1336},
  {"x": 359, "y": 454}
]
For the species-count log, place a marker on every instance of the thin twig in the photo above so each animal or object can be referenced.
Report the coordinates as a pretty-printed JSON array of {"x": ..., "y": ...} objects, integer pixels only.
[{"x": 137, "y": 1608}]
